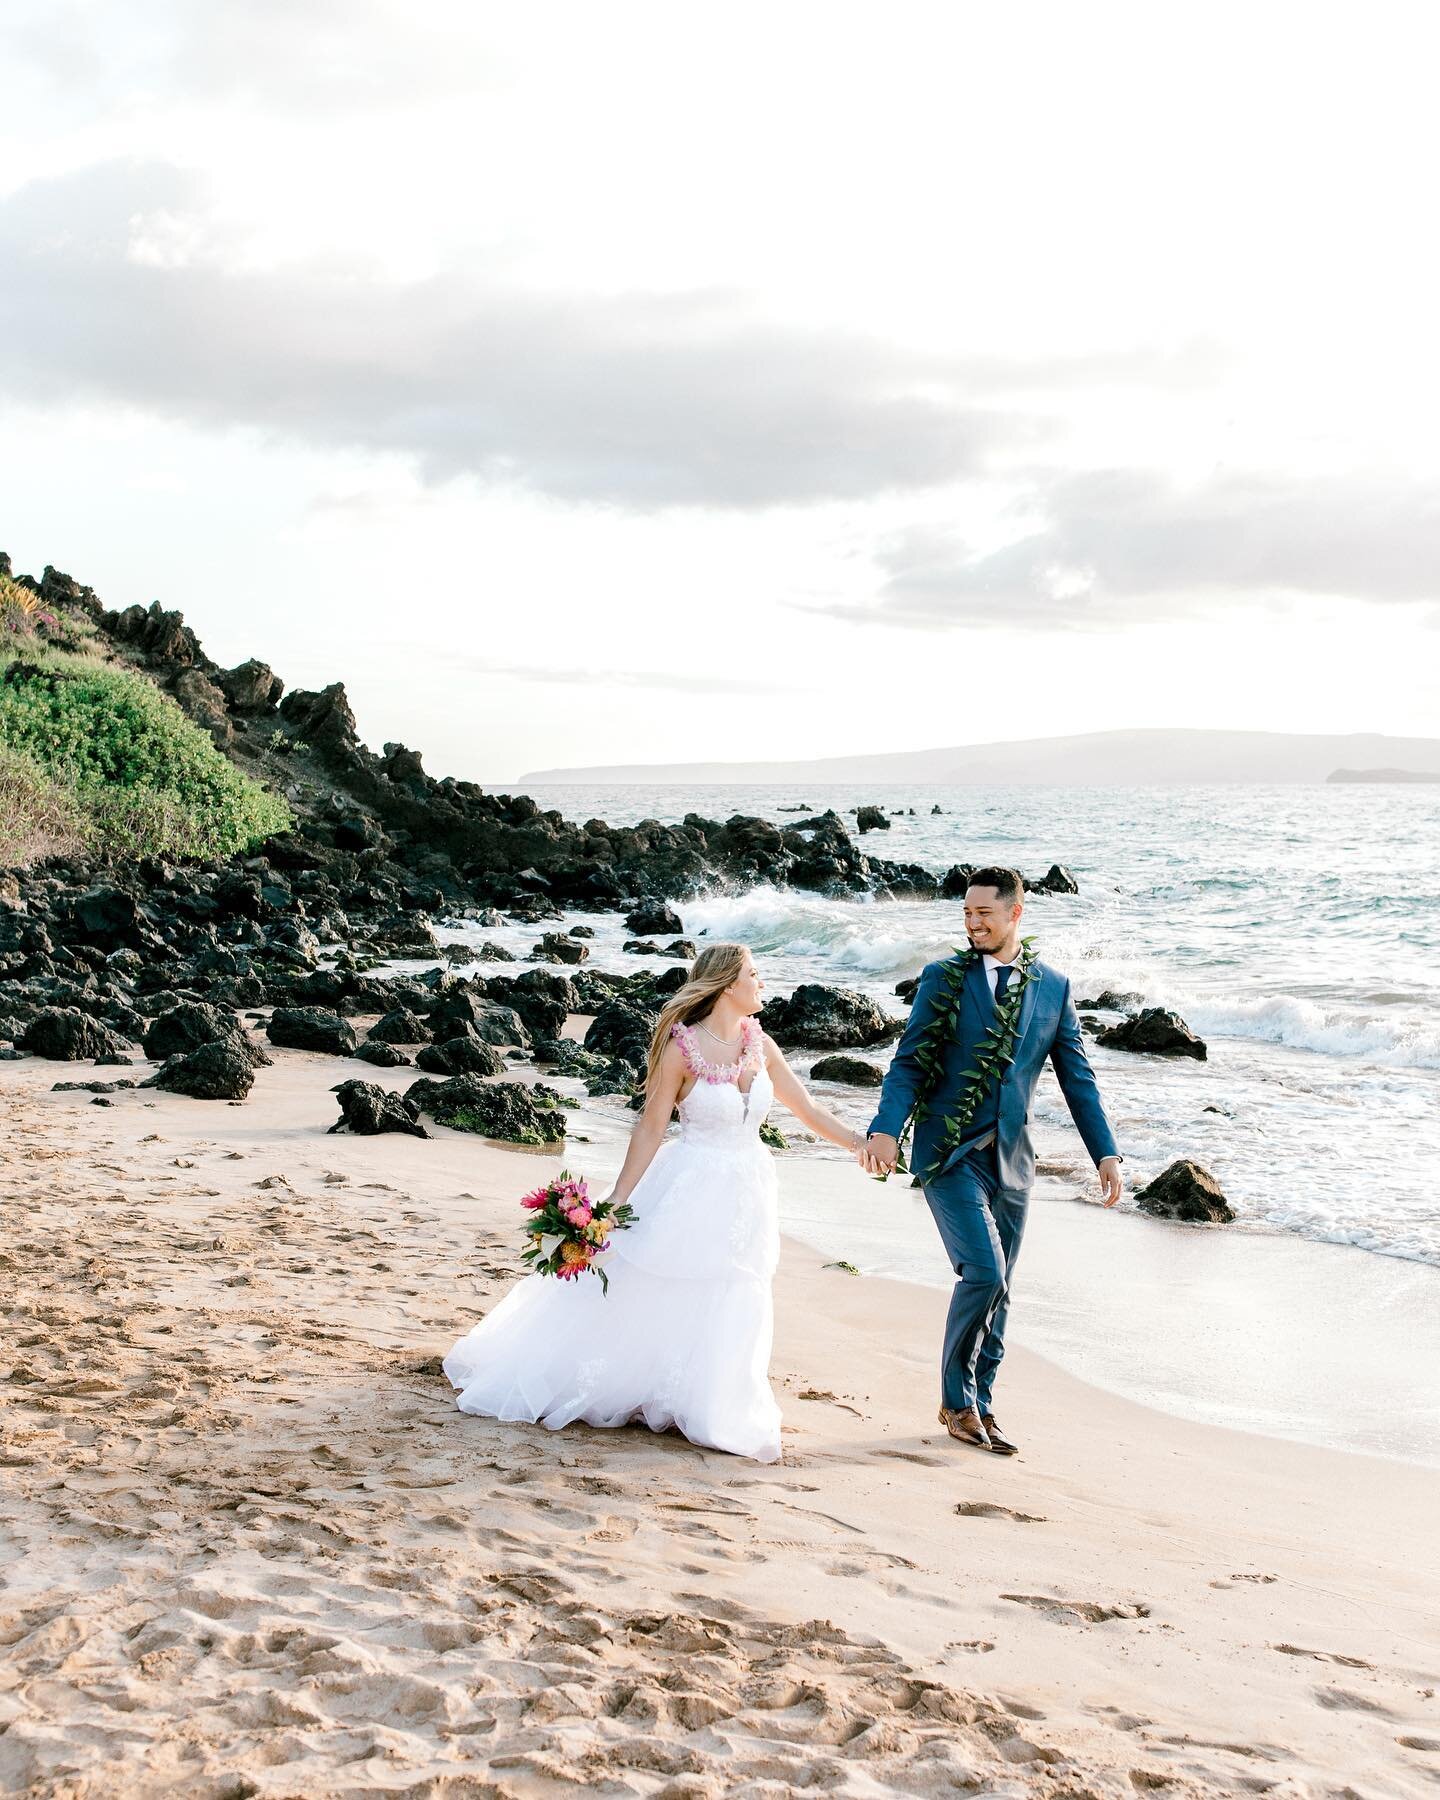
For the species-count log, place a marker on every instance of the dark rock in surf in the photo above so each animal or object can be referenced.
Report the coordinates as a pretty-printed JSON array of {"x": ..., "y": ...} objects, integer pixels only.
[
  {"x": 1187, "y": 1192},
  {"x": 654, "y": 919},
  {"x": 816, "y": 1017},
  {"x": 1155, "y": 1032},
  {"x": 852, "y": 1071},
  {"x": 1056, "y": 880}
]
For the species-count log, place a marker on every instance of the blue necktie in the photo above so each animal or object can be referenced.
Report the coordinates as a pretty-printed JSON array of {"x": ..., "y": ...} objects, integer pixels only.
[{"x": 1002, "y": 981}]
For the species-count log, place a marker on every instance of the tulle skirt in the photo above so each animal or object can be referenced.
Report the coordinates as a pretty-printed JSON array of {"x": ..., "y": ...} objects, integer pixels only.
[{"x": 683, "y": 1337}]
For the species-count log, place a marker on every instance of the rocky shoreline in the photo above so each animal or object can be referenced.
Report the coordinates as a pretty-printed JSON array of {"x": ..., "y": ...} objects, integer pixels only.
[{"x": 190, "y": 961}]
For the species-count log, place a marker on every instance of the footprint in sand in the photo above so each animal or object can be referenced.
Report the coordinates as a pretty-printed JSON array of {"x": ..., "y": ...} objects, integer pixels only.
[
  {"x": 1089, "y": 1612},
  {"x": 829, "y": 1399},
  {"x": 912, "y": 1456},
  {"x": 972, "y": 1646},
  {"x": 1341, "y": 1700},
  {"x": 987, "y": 1509},
  {"x": 1418, "y": 1743},
  {"x": 1325, "y": 1656}
]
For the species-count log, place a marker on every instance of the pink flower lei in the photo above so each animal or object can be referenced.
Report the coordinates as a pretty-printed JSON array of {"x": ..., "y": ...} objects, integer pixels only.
[{"x": 752, "y": 1053}]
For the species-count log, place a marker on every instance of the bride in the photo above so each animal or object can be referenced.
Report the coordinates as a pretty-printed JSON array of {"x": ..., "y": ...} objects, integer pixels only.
[{"x": 683, "y": 1337}]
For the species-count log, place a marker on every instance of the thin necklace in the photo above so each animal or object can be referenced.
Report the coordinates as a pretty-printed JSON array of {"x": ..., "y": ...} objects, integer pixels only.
[{"x": 724, "y": 1043}]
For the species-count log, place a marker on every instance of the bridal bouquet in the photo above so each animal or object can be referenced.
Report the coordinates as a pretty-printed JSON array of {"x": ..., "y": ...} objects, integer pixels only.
[{"x": 569, "y": 1231}]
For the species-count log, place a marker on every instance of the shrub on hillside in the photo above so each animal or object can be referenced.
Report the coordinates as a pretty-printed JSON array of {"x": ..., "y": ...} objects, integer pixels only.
[
  {"x": 39, "y": 816},
  {"x": 22, "y": 613},
  {"x": 147, "y": 779}
]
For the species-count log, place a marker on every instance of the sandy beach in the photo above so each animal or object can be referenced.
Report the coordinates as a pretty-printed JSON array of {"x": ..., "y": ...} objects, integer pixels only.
[{"x": 249, "y": 1547}]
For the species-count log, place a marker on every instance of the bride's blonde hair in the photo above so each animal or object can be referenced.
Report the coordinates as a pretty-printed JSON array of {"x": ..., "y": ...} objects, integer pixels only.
[{"x": 715, "y": 968}]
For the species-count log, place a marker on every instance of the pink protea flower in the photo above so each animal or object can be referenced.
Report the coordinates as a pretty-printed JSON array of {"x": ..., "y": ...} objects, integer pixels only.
[{"x": 534, "y": 1202}]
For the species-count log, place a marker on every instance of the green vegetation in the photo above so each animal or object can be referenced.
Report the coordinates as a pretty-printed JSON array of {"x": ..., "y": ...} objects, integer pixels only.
[
  {"x": 543, "y": 1131},
  {"x": 98, "y": 759},
  {"x": 38, "y": 816}
]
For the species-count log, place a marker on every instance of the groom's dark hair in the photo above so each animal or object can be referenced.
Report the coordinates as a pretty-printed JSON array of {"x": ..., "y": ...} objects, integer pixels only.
[{"x": 1007, "y": 883}]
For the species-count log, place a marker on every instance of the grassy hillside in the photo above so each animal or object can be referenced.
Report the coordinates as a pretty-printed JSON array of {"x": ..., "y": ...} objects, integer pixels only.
[{"x": 95, "y": 758}]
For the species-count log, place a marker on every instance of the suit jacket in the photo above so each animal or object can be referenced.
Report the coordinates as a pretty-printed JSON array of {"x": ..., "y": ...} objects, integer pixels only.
[{"x": 1049, "y": 1026}]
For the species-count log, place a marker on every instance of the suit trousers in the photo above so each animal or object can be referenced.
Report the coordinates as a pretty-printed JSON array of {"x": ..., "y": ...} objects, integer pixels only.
[{"x": 981, "y": 1225}]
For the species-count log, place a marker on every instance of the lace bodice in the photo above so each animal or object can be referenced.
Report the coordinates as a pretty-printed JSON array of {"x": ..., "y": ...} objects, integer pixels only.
[{"x": 716, "y": 1112}]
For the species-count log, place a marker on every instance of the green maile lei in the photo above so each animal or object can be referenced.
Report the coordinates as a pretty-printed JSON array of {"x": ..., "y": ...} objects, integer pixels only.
[{"x": 993, "y": 1055}]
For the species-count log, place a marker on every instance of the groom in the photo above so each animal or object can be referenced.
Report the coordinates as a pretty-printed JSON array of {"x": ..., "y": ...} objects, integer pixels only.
[{"x": 982, "y": 1024}]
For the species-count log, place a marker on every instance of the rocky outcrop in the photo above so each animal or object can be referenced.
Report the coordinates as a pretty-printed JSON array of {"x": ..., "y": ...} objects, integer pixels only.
[
  {"x": 555, "y": 946},
  {"x": 816, "y": 1017},
  {"x": 1056, "y": 880},
  {"x": 399, "y": 1026},
  {"x": 870, "y": 818},
  {"x": 252, "y": 687},
  {"x": 1187, "y": 1192},
  {"x": 186, "y": 1027},
  {"x": 311, "y": 1028},
  {"x": 65, "y": 1034},
  {"x": 323, "y": 721},
  {"x": 464, "y": 1055},
  {"x": 654, "y": 919},
  {"x": 506, "y": 1110},
  {"x": 1109, "y": 1000},
  {"x": 381, "y": 1055},
  {"x": 368, "y": 1109},
  {"x": 622, "y": 1030},
  {"x": 1154, "y": 1032},
  {"x": 852, "y": 1071},
  {"x": 205, "y": 703},
  {"x": 221, "y": 1070}
]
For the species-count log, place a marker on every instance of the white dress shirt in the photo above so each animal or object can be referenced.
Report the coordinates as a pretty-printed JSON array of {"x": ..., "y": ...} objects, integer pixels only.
[{"x": 991, "y": 965}]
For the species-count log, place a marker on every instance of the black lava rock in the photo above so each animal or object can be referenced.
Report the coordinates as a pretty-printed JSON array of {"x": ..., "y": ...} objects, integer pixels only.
[
  {"x": 854, "y": 1071},
  {"x": 367, "y": 1110},
  {"x": 65, "y": 1034},
  {"x": 464, "y": 1055},
  {"x": 825, "y": 1018},
  {"x": 399, "y": 1026},
  {"x": 1155, "y": 1032},
  {"x": 622, "y": 1030},
  {"x": 555, "y": 947},
  {"x": 187, "y": 1027},
  {"x": 505, "y": 1110},
  {"x": 382, "y": 1055},
  {"x": 1186, "y": 1191},
  {"x": 1056, "y": 880},
  {"x": 216, "y": 1071},
  {"x": 871, "y": 818},
  {"x": 654, "y": 919},
  {"x": 311, "y": 1028}
]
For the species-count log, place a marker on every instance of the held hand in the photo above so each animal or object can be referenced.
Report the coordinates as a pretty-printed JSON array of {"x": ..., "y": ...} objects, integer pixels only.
[
  {"x": 1110, "y": 1189},
  {"x": 880, "y": 1154}
]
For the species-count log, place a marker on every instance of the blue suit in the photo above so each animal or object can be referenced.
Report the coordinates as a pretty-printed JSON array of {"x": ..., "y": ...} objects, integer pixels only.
[{"x": 980, "y": 1196}]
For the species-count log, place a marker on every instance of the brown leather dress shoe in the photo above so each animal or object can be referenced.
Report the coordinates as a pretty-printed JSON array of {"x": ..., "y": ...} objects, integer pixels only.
[
  {"x": 965, "y": 1426},
  {"x": 998, "y": 1441}
]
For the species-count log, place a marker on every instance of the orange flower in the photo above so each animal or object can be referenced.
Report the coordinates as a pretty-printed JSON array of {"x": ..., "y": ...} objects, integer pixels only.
[{"x": 575, "y": 1253}]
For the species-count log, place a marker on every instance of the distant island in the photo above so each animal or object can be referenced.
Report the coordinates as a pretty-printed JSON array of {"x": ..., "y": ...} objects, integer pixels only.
[
  {"x": 1382, "y": 775},
  {"x": 1138, "y": 758}
]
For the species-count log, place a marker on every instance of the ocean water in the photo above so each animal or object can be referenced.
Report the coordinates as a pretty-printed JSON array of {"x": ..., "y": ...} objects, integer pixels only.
[{"x": 1297, "y": 929}]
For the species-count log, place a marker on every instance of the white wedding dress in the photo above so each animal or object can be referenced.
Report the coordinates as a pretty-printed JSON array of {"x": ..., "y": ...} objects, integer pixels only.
[{"x": 683, "y": 1337}]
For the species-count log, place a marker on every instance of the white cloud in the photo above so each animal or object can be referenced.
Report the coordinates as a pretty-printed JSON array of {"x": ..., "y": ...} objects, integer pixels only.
[{"x": 674, "y": 336}]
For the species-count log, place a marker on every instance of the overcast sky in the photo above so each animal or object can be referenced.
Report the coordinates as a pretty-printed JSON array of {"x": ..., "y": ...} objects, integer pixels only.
[{"x": 649, "y": 382}]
